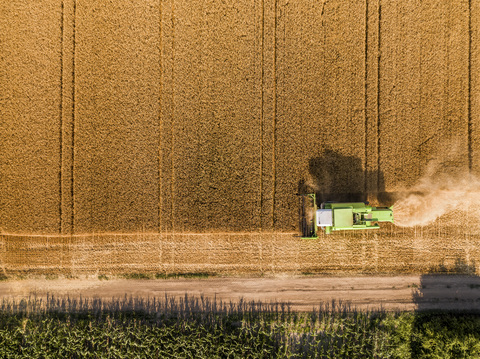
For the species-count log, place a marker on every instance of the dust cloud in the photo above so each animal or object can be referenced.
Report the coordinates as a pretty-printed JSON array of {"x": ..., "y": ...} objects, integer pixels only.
[{"x": 436, "y": 195}]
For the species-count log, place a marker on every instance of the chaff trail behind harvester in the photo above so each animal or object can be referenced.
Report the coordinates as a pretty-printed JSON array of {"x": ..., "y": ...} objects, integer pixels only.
[{"x": 336, "y": 216}]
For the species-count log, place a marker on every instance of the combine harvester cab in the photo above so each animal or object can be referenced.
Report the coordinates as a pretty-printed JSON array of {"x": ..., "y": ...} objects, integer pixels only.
[{"x": 333, "y": 216}]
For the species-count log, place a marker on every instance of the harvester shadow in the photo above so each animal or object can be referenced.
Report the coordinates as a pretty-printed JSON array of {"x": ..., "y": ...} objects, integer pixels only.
[
  {"x": 454, "y": 287},
  {"x": 339, "y": 178},
  {"x": 443, "y": 294}
]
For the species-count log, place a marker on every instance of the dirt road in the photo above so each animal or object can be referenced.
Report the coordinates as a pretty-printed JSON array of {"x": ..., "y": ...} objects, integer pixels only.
[{"x": 391, "y": 293}]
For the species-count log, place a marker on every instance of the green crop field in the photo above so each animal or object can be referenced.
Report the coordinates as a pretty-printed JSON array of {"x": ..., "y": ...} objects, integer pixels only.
[{"x": 202, "y": 328}]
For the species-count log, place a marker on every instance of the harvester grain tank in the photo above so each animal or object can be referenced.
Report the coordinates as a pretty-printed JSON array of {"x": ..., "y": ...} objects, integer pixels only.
[{"x": 336, "y": 216}]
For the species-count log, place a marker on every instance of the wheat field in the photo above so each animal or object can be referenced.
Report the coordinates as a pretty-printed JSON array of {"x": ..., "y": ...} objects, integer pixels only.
[{"x": 171, "y": 136}]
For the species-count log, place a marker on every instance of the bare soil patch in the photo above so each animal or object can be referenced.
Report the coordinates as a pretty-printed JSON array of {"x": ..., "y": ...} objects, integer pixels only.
[{"x": 303, "y": 293}]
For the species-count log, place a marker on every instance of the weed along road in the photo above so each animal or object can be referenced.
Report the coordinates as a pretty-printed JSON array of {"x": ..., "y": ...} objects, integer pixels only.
[{"x": 303, "y": 292}]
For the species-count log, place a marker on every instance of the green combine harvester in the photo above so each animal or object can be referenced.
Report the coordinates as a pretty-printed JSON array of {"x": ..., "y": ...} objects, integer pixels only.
[{"x": 333, "y": 216}]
